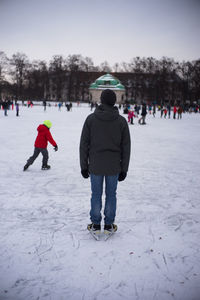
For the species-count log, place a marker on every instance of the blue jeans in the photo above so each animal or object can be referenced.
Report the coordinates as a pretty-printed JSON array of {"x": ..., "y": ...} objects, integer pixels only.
[{"x": 96, "y": 199}]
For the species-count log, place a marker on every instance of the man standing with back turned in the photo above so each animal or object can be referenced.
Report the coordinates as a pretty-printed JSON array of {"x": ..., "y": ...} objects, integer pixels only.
[{"x": 104, "y": 153}]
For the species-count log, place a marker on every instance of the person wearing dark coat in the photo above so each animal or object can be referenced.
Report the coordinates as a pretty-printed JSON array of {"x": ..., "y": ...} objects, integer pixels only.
[
  {"x": 104, "y": 154},
  {"x": 143, "y": 114},
  {"x": 5, "y": 106},
  {"x": 17, "y": 109},
  {"x": 154, "y": 110},
  {"x": 45, "y": 105}
]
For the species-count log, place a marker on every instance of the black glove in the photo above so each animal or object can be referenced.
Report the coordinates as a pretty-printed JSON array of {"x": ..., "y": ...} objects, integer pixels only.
[
  {"x": 122, "y": 176},
  {"x": 85, "y": 173},
  {"x": 56, "y": 148}
]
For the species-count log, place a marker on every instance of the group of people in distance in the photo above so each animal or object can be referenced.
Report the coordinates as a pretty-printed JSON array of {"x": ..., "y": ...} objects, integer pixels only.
[
  {"x": 133, "y": 111},
  {"x": 6, "y": 105},
  {"x": 166, "y": 111}
]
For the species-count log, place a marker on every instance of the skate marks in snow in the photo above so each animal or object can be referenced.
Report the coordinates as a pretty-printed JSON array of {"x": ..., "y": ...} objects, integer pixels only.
[
  {"x": 186, "y": 220},
  {"x": 167, "y": 253},
  {"x": 75, "y": 241},
  {"x": 137, "y": 248},
  {"x": 46, "y": 243}
]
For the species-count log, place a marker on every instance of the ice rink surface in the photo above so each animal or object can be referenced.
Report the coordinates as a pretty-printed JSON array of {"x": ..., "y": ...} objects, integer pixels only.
[{"x": 46, "y": 252}]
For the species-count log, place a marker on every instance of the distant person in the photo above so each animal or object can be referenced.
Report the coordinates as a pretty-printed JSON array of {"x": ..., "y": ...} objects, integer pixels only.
[
  {"x": 104, "y": 155},
  {"x": 143, "y": 115},
  {"x": 165, "y": 112},
  {"x": 138, "y": 109},
  {"x": 17, "y": 109},
  {"x": 91, "y": 106},
  {"x": 59, "y": 106},
  {"x": 131, "y": 115},
  {"x": 174, "y": 111},
  {"x": 169, "y": 110},
  {"x": 180, "y": 111},
  {"x": 154, "y": 110},
  {"x": 44, "y": 136},
  {"x": 125, "y": 110},
  {"x": 67, "y": 106},
  {"x": 70, "y": 105},
  {"x": 5, "y": 106},
  {"x": 161, "y": 110},
  {"x": 45, "y": 105}
]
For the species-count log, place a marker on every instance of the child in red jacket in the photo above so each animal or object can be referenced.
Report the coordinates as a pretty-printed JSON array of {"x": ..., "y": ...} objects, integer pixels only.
[
  {"x": 44, "y": 136},
  {"x": 130, "y": 116}
]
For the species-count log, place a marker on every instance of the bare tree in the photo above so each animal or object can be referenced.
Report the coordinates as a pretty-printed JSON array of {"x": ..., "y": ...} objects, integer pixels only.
[
  {"x": 116, "y": 67},
  {"x": 185, "y": 70},
  {"x": 136, "y": 65},
  {"x": 151, "y": 65},
  {"x": 57, "y": 70},
  {"x": 74, "y": 64},
  {"x": 196, "y": 80},
  {"x": 37, "y": 80},
  {"x": 20, "y": 64},
  {"x": 125, "y": 67},
  {"x": 86, "y": 64},
  {"x": 3, "y": 66},
  {"x": 105, "y": 67}
]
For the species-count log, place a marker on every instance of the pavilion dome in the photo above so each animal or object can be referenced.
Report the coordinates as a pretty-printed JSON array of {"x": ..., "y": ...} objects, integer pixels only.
[{"x": 107, "y": 81}]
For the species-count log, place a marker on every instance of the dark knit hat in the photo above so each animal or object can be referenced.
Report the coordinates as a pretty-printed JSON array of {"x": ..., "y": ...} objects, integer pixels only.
[{"x": 108, "y": 97}]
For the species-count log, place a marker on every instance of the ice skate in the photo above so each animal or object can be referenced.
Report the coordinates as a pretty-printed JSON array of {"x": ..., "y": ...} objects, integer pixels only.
[
  {"x": 95, "y": 230},
  {"x": 46, "y": 167},
  {"x": 26, "y": 167},
  {"x": 109, "y": 230}
]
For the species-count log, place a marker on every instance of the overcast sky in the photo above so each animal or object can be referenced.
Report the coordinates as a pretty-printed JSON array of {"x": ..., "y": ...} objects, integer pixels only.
[{"x": 104, "y": 30}]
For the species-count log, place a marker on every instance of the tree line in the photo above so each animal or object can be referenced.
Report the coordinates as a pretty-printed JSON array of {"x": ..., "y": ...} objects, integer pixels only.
[{"x": 23, "y": 79}]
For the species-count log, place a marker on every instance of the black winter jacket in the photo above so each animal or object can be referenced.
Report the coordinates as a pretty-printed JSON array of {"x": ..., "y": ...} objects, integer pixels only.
[
  {"x": 105, "y": 142},
  {"x": 144, "y": 110}
]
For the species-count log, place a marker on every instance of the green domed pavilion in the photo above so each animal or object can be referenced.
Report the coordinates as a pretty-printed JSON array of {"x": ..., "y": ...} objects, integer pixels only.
[{"x": 106, "y": 82}]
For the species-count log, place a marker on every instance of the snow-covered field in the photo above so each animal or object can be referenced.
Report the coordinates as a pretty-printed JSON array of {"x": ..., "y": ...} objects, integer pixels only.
[{"x": 45, "y": 249}]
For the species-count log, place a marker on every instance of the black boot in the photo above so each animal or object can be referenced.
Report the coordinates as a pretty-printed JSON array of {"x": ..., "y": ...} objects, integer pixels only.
[
  {"x": 110, "y": 228},
  {"x": 94, "y": 227}
]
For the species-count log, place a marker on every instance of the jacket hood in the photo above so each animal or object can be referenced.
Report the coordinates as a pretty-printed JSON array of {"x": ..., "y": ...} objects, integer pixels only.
[
  {"x": 42, "y": 127},
  {"x": 106, "y": 112}
]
